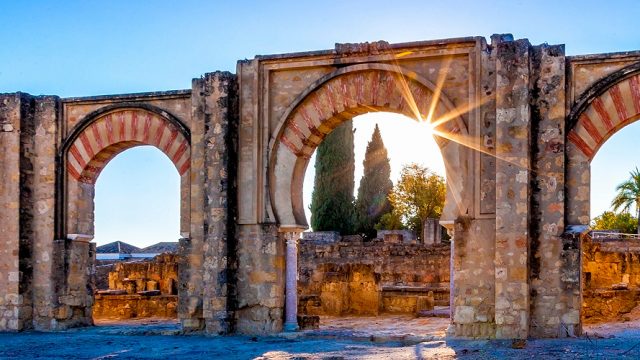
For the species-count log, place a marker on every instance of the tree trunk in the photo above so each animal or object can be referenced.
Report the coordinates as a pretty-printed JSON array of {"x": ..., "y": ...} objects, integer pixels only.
[{"x": 638, "y": 214}]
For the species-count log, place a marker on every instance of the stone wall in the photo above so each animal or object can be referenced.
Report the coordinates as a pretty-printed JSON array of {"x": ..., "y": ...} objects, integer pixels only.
[
  {"x": 159, "y": 273},
  {"x": 369, "y": 278},
  {"x": 611, "y": 279},
  {"x": 135, "y": 306},
  {"x": 138, "y": 289}
]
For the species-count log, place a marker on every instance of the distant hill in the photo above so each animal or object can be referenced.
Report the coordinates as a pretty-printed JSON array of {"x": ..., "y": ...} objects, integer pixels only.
[
  {"x": 117, "y": 247},
  {"x": 161, "y": 247}
]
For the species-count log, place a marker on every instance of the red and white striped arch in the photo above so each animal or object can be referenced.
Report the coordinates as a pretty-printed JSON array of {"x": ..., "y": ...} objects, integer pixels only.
[
  {"x": 349, "y": 92},
  {"x": 606, "y": 114},
  {"x": 344, "y": 97},
  {"x": 117, "y": 131}
]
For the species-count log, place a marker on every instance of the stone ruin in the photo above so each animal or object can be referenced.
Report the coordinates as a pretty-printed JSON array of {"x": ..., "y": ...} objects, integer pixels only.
[
  {"x": 611, "y": 278},
  {"x": 137, "y": 289},
  {"x": 348, "y": 276},
  {"x": 520, "y": 126}
]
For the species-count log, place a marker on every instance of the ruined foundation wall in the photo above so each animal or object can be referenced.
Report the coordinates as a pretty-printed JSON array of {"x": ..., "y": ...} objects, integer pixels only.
[
  {"x": 162, "y": 271},
  {"x": 359, "y": 278},
  {"x": 134, "y": 306},
  {"x": 611, "y": 278},
  {"x": 139, "y": 289}
]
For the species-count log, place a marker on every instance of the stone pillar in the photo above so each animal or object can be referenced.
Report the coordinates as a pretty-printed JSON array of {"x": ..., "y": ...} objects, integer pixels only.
[
  {"x": 10, "y": 298},
  {"x": 205, "y": 275},
  {"x": 291, "y": 287},
  {"x": 555, "y": 288},
  {"x": 45, "y": 274},
  {"x": 431, "y": 233},
  {"x": 513, "y": 174}
]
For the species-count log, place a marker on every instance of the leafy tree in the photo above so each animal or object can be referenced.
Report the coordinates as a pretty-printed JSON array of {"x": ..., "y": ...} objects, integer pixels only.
[
  {"x": 391, "y": 221},
  {"x": 418, "y": 195},
  {"x": 629, "y": 195},
  {"x": 375, "y": 186},
  {"x": 609, "y": 220},
  {"x": 332, "y": 203}
]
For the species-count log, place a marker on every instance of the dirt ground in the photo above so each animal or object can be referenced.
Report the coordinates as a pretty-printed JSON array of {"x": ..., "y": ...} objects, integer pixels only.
[{"x": 388, "y": 337}]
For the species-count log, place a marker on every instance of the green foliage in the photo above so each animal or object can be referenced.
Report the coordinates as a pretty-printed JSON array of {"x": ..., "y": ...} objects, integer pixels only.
[
  {"x": 390, "y": 221},
  {"x": 375, "y": 186},
  {"x": 629, "y": 195},
  {"x": 418, "y": 195},
  {"x": 609, "y": 220},
  {"x": 332, "y": 203}
]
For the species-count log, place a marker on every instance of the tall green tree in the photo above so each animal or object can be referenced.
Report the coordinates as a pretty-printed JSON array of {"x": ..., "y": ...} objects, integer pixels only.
[
  {"x": 332, "y": 203},
  {"x": 375, "y": 186},
  {"x": 418, "y": 195},
  {"x": 629, "y": 195}
]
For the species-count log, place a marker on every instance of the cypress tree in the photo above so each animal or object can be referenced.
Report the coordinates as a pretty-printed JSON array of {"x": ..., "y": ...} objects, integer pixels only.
[
  {"x": 375, "y": 186},
  {"x": 332, "y": 199}
]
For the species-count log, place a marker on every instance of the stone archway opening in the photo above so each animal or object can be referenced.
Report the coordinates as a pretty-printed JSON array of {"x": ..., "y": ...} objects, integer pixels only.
[
  {"x": 394, "y": 283},
  {"x": 137, "y": 207},
  {"x": 339, "y": 98},
  {"x": 611, "y": 251},
  {"x": 138, "y": 285},
  {"x": 608, "y": 285}
]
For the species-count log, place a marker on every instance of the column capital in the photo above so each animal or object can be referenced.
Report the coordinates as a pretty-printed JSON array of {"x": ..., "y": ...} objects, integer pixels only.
[
  {"x": 292, "y": 237},
  {"x": 292, "y": 228}
]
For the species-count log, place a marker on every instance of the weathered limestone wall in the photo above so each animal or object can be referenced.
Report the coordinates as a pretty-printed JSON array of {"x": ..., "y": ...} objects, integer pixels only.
[
  {"x": 474, "y": 283},
  {"x": 260, "y": 279},
  {"x": 48, "y": 283},
  {"x": 367, "y": 278},
  {"x": 555, "y": 286},
  {"x": 44, "y": 180},
  {"x": 11, "y": 299},
  {"x": 513, "y": 141},
  {"x": 208, "y": 282}
]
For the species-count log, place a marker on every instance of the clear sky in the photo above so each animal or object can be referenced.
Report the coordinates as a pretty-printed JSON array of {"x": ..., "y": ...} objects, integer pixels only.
[{"x": 81, "y": 48}]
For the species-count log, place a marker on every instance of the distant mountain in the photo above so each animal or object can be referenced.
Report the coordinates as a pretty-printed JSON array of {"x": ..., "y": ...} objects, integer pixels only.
[
  {"x": 117, "y": 247},
  {"x": 161, "y": 247}
]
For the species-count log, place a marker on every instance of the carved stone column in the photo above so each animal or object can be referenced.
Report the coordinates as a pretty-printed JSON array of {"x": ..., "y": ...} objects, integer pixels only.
[{"x": 291, "y": 289}]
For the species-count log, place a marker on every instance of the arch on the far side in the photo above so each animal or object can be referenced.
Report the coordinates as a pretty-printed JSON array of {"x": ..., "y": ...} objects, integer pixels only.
[
  {"x": 98, "y": 139},
  {"x": 604, "y": 109},
  {"x": 352, "y": 91}
]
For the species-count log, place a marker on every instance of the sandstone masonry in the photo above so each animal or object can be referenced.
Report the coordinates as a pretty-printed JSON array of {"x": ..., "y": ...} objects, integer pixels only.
[{"x": 520, "y": 124}]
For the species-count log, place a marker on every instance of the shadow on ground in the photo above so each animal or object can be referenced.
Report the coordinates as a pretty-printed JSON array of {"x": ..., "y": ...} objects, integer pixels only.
[{"x": 150, "y": 340}]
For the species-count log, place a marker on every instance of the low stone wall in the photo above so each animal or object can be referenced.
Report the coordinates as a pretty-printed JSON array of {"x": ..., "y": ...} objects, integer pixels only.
[
  {"x": 369, "y": 278},
  {"x": 134, "y": 306},
  {"x": 138, "y": 289},
  {"x": 160, "y": 273},
  {"x": 611, "y": 279}
]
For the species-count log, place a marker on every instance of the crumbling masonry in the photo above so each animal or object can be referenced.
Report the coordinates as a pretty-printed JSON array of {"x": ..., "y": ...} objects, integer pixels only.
[{"x": 517, "y": 126}]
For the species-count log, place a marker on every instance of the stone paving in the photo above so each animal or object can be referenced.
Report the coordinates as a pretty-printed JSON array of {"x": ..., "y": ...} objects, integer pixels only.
[{"x": 148, "y": 339}]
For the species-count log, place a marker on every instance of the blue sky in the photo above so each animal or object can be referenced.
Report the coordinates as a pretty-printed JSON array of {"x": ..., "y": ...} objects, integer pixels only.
[{"x": 71, "y": 48}]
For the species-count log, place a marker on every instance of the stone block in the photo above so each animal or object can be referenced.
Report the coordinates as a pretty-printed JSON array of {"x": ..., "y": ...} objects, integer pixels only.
[
  {"x": 465, "y": 315},
  {"x": 321, "y": 237}
]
